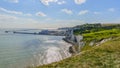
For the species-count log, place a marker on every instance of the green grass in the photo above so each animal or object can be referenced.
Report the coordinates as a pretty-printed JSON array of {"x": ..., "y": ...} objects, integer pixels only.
[
  {"x": 106, "y": 55},
  {"x": 97, "y": 36}
]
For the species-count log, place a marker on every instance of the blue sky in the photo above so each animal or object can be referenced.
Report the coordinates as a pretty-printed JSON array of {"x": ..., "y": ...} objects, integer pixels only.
[{"x": 57, "y": 13}]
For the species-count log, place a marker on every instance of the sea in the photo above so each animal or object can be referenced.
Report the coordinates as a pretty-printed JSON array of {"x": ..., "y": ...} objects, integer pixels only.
[{"x": 28, "y": 50}]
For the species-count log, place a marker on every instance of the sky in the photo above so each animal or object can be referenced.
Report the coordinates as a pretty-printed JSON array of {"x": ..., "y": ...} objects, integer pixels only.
[{"x": 57, "y": 13}]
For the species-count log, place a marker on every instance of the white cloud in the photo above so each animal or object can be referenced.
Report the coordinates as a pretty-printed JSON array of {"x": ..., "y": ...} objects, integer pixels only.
[
  {"x": 111, "y": 9},
  {"x": 46, "y": 2},
  {"x": 83, "y": 12},
  {"x": 3, "y": 17},
  {"x": 97, "y": 13},
  {"x": 67, "y": 23},
  {"x": 61, "y": 2},
  {"x": 80, "y": 1},
  {"x": 9, "y": 11},
  {"x": 13, "y": 1},
  {"x": 67, "y": 11},
  {"x": 28, "y": 14},
  {"x": 14, "y": 12},
  {"x": 41, "y": 14},
  {"x": 9, "y": 21}
]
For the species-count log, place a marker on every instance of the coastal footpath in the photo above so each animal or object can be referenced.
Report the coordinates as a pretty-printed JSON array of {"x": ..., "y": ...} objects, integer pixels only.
[{"x": 100, "y": 48}]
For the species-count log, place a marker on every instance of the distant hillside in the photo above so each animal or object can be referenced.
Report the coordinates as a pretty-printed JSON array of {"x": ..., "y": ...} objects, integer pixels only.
[{"x": 87, "y": 28}]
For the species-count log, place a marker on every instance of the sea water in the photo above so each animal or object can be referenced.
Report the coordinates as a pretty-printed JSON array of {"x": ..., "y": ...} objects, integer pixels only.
[{"x": 23, "y": 50}]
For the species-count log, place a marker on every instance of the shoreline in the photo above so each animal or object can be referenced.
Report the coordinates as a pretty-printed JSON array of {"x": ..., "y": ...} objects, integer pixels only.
[{"x": 72, "y": 49}]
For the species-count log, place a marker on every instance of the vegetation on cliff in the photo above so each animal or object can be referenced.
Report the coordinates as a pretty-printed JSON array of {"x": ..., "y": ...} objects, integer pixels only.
[
  {"x": 106, "y": 55},
  {"x": 99, "y": 36},
  {"x": 91, "y": 28},
  {"x": 96, "y": 33}
]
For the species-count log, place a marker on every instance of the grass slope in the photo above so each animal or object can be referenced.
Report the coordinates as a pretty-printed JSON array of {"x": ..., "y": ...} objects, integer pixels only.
[
  {"x": 98, "y": 36},
  {"x": 106, "y": 55}
]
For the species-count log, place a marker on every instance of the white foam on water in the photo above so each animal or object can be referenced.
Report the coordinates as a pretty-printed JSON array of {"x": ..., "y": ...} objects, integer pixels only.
[
  {"x": 50, "y": 41},
  {"x": 54, "y": 53}
]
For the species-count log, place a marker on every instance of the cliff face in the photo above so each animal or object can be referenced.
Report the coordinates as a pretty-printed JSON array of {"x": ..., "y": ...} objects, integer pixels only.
[
  {"x": 104, "y": 56},
  {"x": 76, "y": 41}
]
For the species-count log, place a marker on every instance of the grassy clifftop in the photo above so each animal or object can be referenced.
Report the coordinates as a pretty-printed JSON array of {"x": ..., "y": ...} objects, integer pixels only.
[
  {"x": 106, "y": 55},
  {"x": 97, "y": 36}
]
